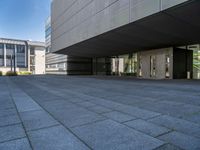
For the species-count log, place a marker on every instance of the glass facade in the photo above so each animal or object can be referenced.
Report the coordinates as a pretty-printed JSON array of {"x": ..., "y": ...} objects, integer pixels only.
[
  {"x": 57, "y": 67},
  {"x": 1, "y": 54},
  {"x": 10, "y": 51},
  {"x": 196, "y": 60},
  {"x": 196, "y": 64},
  {"x": 20, "y": 56},
  {"x": 48, "y": 32},
  {"x": 167, "y": 66},
  {"x": 132, "y": 64},
  {"x": 32, "y": 50},
  {"x": 124, "y": 65},
  {"x": 152, "y": 66},
  {"x": 20, "y": 48}
]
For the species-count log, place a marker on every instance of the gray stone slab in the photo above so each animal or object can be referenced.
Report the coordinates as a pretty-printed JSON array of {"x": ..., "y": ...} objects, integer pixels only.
[
  {"x": 55, "y": 138},
  {"x": 37, "y": 119},
  {"x": 172, "y": 108},
  {"x": 76, "y": 116},
  {"x": 9, "y": 120},
  {"x": 7, "y": 112},
  {"x": 118, "y": 116},
  {"x": 76, "y": 100},
  {"x": 26, "y": 104},
  {"x": 187, "y": 110},
  {"x": 133, "y": 97},
  {"x": 147, "y": 127},
  {"x": 193, "y": 118},
  {"x": 11, "y": 132},
  {"x": 86, "y": 104},
  {"x": 106, "y": 103},
  {"x": 137, "y": 112},
  {"x": 168, "y": 147},
  {"x": 99, "y": 109},
  {"x": 178, "y": 125},
  {"x": 20, "y": 144},
  {"x": 7, "y": 103},
  {"x": 115, "y": 136},
  {"x": 58, "y": 104},
  {"x": 182, "y": 140}
]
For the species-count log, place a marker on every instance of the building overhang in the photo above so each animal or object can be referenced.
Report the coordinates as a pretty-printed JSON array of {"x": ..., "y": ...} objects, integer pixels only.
[{"x": 176, "y": 26}]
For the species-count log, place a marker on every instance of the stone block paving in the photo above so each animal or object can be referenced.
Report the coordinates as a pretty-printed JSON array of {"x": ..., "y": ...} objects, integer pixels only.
[{"x": 82, "y": 113}]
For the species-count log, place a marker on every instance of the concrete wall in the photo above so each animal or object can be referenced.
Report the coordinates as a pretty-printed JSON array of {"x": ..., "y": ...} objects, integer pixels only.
[
  {"x": 74, "y": 21},
  {"x": 63, "y": 64},
  {"x": 160, "y": 56},
  {"x": 39, "y": 61}
]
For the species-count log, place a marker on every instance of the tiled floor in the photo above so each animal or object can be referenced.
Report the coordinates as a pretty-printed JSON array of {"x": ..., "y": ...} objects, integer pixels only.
[{"x": 100, "y": 113}]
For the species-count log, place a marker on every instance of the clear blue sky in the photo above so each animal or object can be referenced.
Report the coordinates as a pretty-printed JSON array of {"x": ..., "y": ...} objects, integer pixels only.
[{"x": 24, "y": 19}]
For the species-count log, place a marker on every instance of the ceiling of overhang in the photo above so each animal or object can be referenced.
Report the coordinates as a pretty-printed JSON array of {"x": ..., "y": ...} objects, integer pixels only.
[{"x": 176, "y": 26}]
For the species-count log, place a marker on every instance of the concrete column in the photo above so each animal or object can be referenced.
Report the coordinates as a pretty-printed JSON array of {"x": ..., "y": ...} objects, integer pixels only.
[
  {"x": 28, "y": 57},
  {"x": 15, "y": 55},
  {"x": 4, "y": 55},
  {"x": 25, "y": 53}
]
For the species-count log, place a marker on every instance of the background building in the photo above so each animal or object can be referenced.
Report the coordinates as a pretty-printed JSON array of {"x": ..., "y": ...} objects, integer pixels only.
[
  {"x": 24, "y": 55},
  {"x": 63, "y": 64},
  {"x": 146, "y": 38}
]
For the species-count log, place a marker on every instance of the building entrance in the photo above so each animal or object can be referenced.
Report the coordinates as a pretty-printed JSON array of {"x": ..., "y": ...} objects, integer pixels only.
[
  {"x": 124, "y": 65},
  {"x": 196, "y": 60}
]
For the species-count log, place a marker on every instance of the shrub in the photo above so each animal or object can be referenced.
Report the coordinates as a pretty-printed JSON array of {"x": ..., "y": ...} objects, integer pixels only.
[
  {"x": 11, "y": 73},
  {"x": 24, "y": 73},
  {"x": 1, "y": 73}
]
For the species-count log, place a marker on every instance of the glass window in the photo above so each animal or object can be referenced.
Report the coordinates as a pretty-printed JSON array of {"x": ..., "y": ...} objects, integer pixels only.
[
  {"x": 48, "y": 32},
  {"x": 124, "y": 65},
  {"x": 32, "y": 60},
  {"x": 48, "y": 49},
  {"x": 196, "y": 62},
  {"x": 152, "y": 66},
  {"x": 140, "y": 66},
  {"x": 20, "y": 48},
  {"x": 167, "y": 65},
  {"x": 1, "y": 49},
  {"x": 32, "y": 50},
  {"x": 1, "y": 46},
  {"x": 10, "y": 46},
  {"x": 20, "y": 60}
]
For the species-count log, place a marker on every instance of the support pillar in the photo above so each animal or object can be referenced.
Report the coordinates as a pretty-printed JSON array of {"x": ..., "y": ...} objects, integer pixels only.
[
  {"x": 4, "y": 55},
  {"x": 15, "y": 58}
]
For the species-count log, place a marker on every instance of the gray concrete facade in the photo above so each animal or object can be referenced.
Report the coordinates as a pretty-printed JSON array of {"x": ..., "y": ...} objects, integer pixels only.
[
  {"x": 144, "y": 59},
  {"x": 148, "y": 29},
  {"x": 85, "y": 27},
  {"x": 63, "y": 64}
]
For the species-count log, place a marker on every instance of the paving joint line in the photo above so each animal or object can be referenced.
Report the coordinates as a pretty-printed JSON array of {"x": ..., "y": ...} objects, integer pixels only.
[
  {"x": 10, "y": 95},
  {"x": 63, "y": 125},
  {"x": 32, "y": 130},
  {"x": 13, "y": 140},
  {"x": 10, "y": 125}
]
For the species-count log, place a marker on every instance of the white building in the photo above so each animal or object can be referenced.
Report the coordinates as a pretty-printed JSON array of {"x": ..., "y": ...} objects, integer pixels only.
[{"x": 24, "y": 55}]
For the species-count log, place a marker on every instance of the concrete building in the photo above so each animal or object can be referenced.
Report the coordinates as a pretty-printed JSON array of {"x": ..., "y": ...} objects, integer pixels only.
[
  {"x": 24, "y": 55},
  {"x": 63, "y": 64},
  {"x": 145, "y": 38}
]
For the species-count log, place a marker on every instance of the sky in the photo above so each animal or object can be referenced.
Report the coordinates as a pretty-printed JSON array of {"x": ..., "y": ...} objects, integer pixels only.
[{"x": 24, "y": 19}]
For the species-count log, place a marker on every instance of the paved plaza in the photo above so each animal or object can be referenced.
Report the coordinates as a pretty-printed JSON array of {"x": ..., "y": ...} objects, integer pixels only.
[{"x": 100, "y": 113}]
